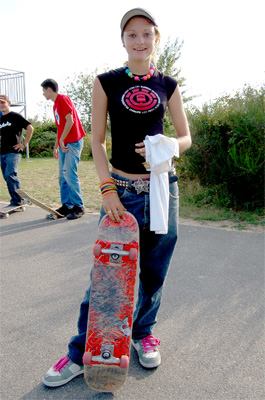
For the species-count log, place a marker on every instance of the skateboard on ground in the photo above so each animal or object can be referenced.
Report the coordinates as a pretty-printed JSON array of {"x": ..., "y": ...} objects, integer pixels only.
[
  {"x": 11, "y": 210},
  {"x": 53, "y": 214},
  {"x": 110, "y": 318}
]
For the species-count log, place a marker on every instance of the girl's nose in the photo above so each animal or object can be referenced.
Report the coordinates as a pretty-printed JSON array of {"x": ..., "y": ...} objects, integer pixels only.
[{"x": 140, "y": 39}]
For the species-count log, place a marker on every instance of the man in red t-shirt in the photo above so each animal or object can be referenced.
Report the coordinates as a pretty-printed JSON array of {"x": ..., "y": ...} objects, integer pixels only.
[{"x": 67, "y": 149}]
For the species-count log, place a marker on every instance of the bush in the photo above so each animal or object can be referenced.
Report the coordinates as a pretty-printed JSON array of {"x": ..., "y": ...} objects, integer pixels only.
[
  {"x": 43, "y": 139},
  {"x": 87, "y": 149},
  {"x": 227, "y": 154},
  {"x": 44, "y": 136}
]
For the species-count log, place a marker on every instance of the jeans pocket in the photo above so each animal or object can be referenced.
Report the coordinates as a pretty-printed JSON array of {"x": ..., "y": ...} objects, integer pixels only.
[{"x": 122, "y": 192}]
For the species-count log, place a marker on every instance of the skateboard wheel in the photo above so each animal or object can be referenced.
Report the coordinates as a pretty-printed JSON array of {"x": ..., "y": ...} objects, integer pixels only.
[
  {"x": 97, "y": 249},
  {"x": 87, "y": 358},
  {"x": 132, "y": 254},
  {"x": 51, "y": 216},
  {"x": 124, "y": 362}
]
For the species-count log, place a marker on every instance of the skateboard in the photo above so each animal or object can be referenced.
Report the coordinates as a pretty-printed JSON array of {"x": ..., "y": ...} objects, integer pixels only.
[
  {"x": 53, "y": 214},
  {"x": 11, "y": 210},
  {"x": 110, "y": 317}
]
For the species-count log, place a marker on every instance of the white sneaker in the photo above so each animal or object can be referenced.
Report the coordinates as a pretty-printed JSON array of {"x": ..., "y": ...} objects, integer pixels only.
[
  {"x": 149, "y": 356},
  {"x": 62, "y": 372}
]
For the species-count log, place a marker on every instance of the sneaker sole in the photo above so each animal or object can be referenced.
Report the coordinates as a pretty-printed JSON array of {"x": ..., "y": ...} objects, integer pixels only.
[
  {"x": 75, "y": 217},
  {"x": 150, "y": 366},
  {"x": 61, "y": 383}
]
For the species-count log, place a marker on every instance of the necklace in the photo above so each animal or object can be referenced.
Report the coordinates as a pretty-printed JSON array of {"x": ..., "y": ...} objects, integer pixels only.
[{"x": 136, "y": 77}]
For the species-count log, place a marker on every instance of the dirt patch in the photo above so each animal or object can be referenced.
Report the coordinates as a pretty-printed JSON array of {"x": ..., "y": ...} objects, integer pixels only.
[{"x": 227, "y": 224}]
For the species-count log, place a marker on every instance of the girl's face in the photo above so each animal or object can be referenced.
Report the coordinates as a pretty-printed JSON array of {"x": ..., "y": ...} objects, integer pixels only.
[{"x": 139, "y": 39}]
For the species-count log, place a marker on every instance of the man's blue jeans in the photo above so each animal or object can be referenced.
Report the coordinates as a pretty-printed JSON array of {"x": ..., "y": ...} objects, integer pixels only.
[
  {"x": 9, "y": 167},
  {"x": 70, "y": 188},
  {"x": 155, "y": 255}
]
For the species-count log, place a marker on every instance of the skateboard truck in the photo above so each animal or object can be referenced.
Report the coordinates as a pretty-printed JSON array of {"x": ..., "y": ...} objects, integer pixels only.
[
  {"x": 115, "y": 251},
  {"x": 106, "y": 356}
]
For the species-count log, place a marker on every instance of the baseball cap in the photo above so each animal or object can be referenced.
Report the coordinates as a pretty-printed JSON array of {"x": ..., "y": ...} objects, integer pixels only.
[
  {"x": 3, "y": 98},
  {"x": 136, "y": 12}
]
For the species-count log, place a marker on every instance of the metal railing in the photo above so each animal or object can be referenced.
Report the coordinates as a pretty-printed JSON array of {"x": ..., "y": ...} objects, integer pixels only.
[{"x": 12, "y": 84}]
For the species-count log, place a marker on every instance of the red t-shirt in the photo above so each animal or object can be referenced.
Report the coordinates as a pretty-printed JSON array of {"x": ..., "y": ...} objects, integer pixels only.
[{"x": 63, "y": 106}]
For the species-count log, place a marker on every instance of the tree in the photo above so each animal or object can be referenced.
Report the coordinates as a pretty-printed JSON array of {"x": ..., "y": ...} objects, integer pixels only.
[
  {"x": 167, "y": 58},
  {"x": 79, "y": 89},
  {"x": 167, "y": 63}
]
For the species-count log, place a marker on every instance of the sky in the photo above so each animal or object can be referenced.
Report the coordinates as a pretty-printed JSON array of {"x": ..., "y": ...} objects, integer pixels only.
[{"x": 223, "y": 42}]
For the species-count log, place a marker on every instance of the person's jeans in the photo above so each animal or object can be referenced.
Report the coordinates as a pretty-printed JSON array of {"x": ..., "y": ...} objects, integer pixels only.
[
  {"x": 155, "y": 254},
  {"x": 9, "y": 167},
  {"x": 70, "y": 188}
]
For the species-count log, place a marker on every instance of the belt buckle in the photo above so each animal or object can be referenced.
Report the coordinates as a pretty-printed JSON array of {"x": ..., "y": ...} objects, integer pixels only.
[{"x": 141, "y": 186}]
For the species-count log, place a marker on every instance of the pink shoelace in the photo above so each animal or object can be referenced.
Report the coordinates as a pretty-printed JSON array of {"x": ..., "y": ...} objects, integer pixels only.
[
  {"x": 61, "y": 364},
  {"x": 149, "y": 343}
]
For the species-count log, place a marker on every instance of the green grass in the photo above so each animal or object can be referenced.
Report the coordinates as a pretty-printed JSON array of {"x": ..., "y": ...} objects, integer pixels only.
[
  {"x": 195, "y": 204},
  {"x": 39, "y": 177}
]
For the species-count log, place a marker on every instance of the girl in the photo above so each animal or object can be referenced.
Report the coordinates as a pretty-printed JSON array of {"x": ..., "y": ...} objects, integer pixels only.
[{"x": 136, "y": 97}]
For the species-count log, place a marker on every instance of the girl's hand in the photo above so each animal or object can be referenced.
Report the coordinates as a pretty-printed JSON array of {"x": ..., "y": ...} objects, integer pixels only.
[
  {"x": 140, "y": 149},
  {"x": 113, "y": 207}
]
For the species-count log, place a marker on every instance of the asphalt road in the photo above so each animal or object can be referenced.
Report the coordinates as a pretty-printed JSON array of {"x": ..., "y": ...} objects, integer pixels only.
[{"x": 211, "y": 322}]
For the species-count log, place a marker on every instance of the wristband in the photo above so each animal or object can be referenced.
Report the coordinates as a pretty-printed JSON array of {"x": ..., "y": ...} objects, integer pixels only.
[
  {"x": 107, "y": 189},
  {"x": 111, "y": 181}
]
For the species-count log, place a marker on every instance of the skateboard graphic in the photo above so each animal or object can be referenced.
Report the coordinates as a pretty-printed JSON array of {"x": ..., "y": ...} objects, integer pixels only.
[
  {"x": 11, "y": 210},
  {"x": 53, "y": 214},
  {"x": 110, "y": 317}
]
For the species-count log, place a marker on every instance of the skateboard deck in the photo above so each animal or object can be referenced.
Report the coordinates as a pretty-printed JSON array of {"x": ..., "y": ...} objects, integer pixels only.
[
  {"x": 11, "y": 210},
  {"x": 110, "y": 318},
  {"x": 53, "y": 214}
]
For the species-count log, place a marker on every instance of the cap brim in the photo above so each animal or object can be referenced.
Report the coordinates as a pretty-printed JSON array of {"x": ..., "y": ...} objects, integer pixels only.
[{"x": 136, "y": 12}]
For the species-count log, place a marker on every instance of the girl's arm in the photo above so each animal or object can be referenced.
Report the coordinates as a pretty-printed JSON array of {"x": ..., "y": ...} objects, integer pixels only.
[
  {"x": 179, "y": 120},
  {"x": 99, "y": 124}
]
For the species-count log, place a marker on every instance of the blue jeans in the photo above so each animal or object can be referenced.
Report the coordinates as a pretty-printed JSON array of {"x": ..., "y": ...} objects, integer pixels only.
[
  {"x": 9, "y": 167},
  {"x": 70, "y": 188},
  {"x": 155, "y": 255}
]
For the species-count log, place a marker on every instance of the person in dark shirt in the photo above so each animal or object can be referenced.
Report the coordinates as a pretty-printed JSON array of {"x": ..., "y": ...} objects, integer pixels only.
[
  {"x": 12, "y": 145},
  {"x": 136, "y": 97}
]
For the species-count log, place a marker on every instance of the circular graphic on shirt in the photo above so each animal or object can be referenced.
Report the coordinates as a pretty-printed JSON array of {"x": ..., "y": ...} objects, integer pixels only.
[{"x": 140, "y": 99}]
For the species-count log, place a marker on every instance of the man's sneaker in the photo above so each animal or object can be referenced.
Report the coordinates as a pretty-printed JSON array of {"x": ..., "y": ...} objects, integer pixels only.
[
  {"x": 149, "y": 356},
  {"x": 76, "y": 212},
  {"x": 16, "y": 203},
  {"x": 62, "y": 372},
  {"x": 64, "y": 210}
]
